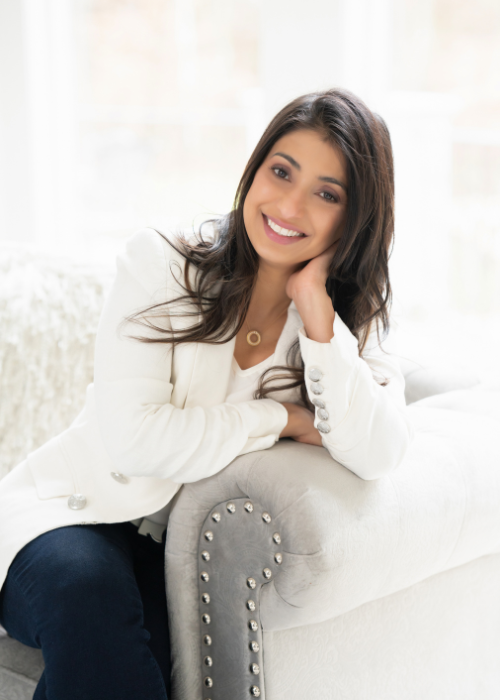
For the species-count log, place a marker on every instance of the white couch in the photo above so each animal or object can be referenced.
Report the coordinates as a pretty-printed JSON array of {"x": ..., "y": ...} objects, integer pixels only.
[{"x": 387, "y": 589}]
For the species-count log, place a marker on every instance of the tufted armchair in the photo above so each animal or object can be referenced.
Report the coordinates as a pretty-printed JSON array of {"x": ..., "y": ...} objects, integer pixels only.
[{"x": 288, "y": 576}]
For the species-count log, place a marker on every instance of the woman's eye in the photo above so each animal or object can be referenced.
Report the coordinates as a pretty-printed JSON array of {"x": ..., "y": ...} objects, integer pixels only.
[
  {"x": 279, "y": 172},
  {"x": 329, "y": 197}
]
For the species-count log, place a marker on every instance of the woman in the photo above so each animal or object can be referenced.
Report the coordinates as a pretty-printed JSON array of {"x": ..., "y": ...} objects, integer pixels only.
[{"x": 264, "y": 325}]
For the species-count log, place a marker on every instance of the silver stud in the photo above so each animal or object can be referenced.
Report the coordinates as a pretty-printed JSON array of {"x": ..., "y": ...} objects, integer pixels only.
[
  {"x": 216, "y": 517},
  {"x": 315, "y": 374},
  {"x": 266, "y": 517},
  {"x": 254, "y": 646},
  {"x": 255, "y": 669},
  {"x": 251, "y": 583},
  {"x": 207, "y": 639},
  {"x": 317, "y": 388},
  {"x": 253, "y": 625},
  {"x": 208, "y": 682},
  {"x": 319, "y": 403},
  {"x": 205, "y": 598},
  {"x": 204, "y": 576},
  {"x": 277, "y": 538},
  {"x": 323, "y": 427},
  {"x": 206, "y": 619},
  {"x": 231, "y": 508},
  {"x": 205, "y": 555},
  {"x": 255, "y": 691},
  {"x": 267, "y": 573},
  {"x": 251, "y": 605},
  {"x": 209, "y": 535},
  {"x": 120, "y": 478},
  {"x": 278, "y": 558},
  {"x": 324, "y": 415},
  {"x": 77, "y": 501},
  {"x": 208, "y": 661},
  {"x": 249, "y": 507}
]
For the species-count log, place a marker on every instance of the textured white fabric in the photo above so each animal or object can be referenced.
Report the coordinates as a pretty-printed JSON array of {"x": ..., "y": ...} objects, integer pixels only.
[
  {"x": 49, "y": 311},
  {"x": 437, "y": 640}
]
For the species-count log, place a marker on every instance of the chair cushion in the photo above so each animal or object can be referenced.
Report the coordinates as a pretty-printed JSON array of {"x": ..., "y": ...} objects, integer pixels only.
[{"x": 20, "y": 669}]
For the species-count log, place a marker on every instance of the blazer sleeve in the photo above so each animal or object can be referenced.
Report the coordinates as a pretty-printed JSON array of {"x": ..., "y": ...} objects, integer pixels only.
[
  {"x": 143, "y": 432},
  {"x": 365, "y": 425}
]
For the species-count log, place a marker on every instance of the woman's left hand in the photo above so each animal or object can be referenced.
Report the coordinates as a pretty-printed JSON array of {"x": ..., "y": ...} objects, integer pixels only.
[
  {"x": 307, "y": 288},
  {"x": 313, "y": 275}
]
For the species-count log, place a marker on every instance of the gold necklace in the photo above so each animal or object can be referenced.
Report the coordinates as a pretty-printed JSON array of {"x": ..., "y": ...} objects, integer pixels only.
[{"x": 254, "y": 337}]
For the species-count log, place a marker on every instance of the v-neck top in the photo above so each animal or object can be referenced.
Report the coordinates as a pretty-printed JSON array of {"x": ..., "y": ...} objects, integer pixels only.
[{"x": 244, "y": 382}]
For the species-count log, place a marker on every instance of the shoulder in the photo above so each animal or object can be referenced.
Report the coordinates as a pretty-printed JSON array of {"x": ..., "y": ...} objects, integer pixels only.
[{"x": 152, "y": 258}]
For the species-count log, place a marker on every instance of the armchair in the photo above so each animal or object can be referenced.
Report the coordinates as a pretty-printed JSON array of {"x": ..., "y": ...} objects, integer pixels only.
[{"x": 369, "y": 590}]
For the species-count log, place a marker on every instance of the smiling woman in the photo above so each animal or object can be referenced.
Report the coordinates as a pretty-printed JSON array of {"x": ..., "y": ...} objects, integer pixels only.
[
  {"x": 264, "y": 325},
  {"x": 313, "y": 222}
]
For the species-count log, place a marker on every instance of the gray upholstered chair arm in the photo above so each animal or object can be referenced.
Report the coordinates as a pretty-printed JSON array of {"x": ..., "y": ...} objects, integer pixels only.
[
  {"x": 343, "y": 542},
  {"x": 422, "y": 381}
]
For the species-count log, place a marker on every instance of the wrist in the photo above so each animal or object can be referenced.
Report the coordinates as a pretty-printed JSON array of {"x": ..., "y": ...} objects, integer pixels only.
[{"x": 290, "y": 428}]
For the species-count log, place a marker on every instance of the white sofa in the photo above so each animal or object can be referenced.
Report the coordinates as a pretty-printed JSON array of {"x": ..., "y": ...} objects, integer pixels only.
[{"x": 387, "y": 589}]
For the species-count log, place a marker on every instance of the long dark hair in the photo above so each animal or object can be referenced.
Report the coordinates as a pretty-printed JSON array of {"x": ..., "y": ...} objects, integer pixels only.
[{"x": 226, "y": 264}]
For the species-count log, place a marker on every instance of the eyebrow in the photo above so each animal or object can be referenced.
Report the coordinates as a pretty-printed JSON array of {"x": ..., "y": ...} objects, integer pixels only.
[{"x": 296, "y": 165}]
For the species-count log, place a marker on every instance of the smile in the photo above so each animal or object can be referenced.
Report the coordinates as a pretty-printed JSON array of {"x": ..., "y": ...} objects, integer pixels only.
[
  {"x": 280, "y": 234},
  {"x": 282, "y": 231}
]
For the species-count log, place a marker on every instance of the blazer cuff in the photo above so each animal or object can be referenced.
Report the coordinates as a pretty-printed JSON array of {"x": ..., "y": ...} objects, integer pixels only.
[
  {"x": 263, "y": 418},
  {"x": 330, "y": 371}
]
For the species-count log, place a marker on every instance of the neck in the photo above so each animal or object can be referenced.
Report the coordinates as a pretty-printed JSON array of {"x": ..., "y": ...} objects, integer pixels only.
[{"x": 269, "y": 297}]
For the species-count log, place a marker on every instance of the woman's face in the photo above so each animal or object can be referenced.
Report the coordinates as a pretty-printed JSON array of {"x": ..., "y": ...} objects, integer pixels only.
[{"x": 296, "y": 206}]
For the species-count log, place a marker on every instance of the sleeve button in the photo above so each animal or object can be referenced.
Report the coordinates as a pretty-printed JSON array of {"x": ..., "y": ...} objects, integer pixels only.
[
  {"x": 315, "y": 374},
  {"x": 323, "y": 427},
  {"x": 317, "y": 388},
  {"x": 319, "y": 403},
  {"x": 324, "y": 415},
  {"x": 120, "y": 478}
]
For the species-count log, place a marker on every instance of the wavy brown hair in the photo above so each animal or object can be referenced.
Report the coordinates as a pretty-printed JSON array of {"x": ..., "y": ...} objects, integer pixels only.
[{"x": 226, "y": 265}]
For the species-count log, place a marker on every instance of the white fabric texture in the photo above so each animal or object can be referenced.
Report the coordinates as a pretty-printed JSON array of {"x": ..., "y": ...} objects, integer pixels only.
[
  {"x": 49, "y": 311},
  {"x": 437, "y": 640}
]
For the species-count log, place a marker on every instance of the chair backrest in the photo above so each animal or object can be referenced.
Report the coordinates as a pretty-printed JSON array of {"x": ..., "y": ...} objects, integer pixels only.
[{"x": 49, "y": 311}]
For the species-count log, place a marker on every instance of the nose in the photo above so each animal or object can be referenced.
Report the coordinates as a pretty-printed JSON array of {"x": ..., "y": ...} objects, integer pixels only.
[{"x": 292, "y": 204}]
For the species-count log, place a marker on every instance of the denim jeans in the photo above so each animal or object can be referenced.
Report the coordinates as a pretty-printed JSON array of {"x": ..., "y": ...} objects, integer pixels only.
[{"x": 92, "y": 597}]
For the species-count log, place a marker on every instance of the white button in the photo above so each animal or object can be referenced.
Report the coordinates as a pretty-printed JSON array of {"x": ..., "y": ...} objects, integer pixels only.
[
  {"x": 324, "y": 415},
  {"x": 323, "y": 427},
  {"x": 120, "y": 478},
  {"x": 77, "y": 501},
  {"x": 317, "y": 388},
  {"x": 315, "y": 374},
  {"x": 319, "y": 403}
]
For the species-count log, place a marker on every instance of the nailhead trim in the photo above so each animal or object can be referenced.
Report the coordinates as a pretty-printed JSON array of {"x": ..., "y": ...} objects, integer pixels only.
[{"x": 251, "y": 582}]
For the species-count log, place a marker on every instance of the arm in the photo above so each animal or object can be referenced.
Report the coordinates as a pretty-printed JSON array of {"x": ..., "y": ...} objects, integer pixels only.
[
  {"x": 143, "y": 431},
  {"x": 368, "y": 427}
]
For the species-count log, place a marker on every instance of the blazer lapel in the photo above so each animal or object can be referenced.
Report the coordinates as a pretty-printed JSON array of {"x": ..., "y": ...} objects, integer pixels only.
[{"x": 211, "y": 373}]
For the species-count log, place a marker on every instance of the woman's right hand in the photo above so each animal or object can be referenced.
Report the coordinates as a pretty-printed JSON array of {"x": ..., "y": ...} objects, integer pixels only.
[{"x": 300, "y": 426}]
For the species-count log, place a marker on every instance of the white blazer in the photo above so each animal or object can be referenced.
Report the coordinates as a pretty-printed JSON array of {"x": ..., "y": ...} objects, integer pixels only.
[{"x": 156, "y": 418}]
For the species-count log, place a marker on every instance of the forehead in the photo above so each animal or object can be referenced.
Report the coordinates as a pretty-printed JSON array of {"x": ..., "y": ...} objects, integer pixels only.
[{"x": 313, "y": 153}]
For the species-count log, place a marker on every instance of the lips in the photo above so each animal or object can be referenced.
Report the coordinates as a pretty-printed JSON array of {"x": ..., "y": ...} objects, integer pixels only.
[{"x": 278, "y": 238}]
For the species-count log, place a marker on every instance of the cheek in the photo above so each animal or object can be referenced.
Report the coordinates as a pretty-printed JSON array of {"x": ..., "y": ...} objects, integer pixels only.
[
  {"x": 330, "y": 225},
  {"x": 261, "y": 191}
]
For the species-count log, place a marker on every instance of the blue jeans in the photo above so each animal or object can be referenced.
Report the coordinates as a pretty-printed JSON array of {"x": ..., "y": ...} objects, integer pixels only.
[{"x": 92, "y": 597}]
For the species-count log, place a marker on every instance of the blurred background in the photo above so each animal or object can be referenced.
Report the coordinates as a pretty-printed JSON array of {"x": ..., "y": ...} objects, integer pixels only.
[{"x": 119, "y": 114}]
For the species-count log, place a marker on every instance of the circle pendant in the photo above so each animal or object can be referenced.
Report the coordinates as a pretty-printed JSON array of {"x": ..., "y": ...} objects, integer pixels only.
[{"x": 253, "y": 338}]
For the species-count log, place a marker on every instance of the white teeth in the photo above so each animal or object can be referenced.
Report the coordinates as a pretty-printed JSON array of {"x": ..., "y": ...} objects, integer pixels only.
[{"x": 280, "y": 230}]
